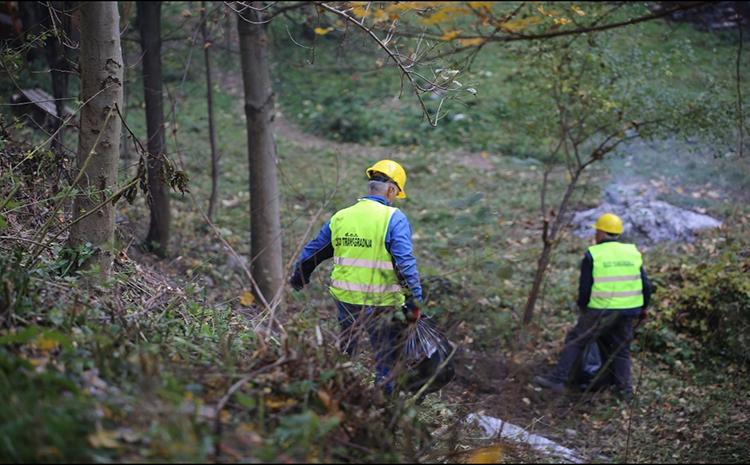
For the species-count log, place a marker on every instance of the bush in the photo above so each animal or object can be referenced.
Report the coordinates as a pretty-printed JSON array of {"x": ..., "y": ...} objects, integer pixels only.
[{"x": 713, "y": 304}]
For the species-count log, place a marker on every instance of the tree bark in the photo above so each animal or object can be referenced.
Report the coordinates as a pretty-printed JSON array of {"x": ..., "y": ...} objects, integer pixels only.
[
  {"x": 99, "y": 135},
  {"x": 211, "y": 130},
  {"x": 265, "y": 225},
  {"x": 149, "y": 22}
]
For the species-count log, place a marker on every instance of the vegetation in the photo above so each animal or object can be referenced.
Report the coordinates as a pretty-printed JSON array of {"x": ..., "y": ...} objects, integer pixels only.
[{"x": 174, "y": 359}]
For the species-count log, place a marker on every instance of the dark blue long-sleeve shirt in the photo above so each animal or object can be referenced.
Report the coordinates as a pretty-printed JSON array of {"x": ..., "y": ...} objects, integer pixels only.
[
  {"x": 397, "y": 242},
  {"x": 586, "y": 281}
]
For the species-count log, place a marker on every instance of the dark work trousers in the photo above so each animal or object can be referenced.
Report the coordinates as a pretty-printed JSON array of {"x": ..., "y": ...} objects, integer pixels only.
[
  {"x": 615, "y": 331},
  {"x": 384, "y": 336}
]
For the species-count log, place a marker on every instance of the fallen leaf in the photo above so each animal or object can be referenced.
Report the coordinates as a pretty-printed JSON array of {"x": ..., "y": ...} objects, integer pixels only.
[
  {"x": 491, "y": 454},
  {"x": 103, "y": 439},
  {"x": 278, "y": 403},
  {"x": 247, "y": 299}
]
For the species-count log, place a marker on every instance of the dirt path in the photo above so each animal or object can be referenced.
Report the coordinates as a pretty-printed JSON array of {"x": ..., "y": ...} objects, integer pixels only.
[{"x": 288, "y": 131}]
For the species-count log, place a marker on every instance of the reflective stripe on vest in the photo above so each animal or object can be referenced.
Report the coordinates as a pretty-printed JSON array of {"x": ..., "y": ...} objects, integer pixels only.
[
  {"x": 363, "y": 272},
  {"x": 364, "y": 263},
  {"x": 617, "y": 277},
  {"x": 370, "y": 289}
]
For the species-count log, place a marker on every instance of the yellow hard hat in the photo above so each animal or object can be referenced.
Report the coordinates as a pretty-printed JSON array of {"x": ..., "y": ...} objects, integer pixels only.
[
  {"x": 395, "y": 173},
  {"x": 609, "y": 223}
]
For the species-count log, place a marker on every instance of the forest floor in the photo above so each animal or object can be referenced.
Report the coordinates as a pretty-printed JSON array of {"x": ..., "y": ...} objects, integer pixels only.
[
  {"x": 494, "y": 377},
  {"x": 156, "y": 353}
]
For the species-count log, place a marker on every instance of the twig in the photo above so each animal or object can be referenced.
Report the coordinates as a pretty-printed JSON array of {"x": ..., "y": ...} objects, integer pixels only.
[
  {"x": 636, "y": 397},
  {"x": 393, "y": 57},
  {"x": 45, "y": 227}
]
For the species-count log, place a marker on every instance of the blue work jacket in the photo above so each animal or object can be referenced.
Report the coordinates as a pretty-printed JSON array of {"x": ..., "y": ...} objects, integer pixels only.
[{"x": 397, "y": 242}]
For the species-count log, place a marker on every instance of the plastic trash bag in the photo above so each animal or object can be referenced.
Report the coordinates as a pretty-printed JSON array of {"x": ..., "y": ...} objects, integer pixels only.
[
  {"x": 427, "y": 355},
  {"x": 591, "y": 372},
  {"x": 592, "y": 360}
]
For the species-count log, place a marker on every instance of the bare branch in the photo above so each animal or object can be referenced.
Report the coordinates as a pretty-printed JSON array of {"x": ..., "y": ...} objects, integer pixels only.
[{"x": 417, "y": 88}]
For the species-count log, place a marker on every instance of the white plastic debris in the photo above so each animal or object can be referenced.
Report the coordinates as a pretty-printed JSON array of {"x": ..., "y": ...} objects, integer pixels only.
[{"x": 495, "y": 427}]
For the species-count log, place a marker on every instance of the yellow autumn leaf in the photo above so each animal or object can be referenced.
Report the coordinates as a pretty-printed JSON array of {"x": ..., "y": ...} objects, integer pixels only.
[
  {"x": 44, "y": 344},
  {"x": 103, "y": 439},
  {"x": 551, "y": 14},
  {"x": 38, "y": 361},
  {"x": 450, "y": 35},
  {"x": 577, "y": 10},
  {"x": 491, "y": 454},
  {"x": 406, "y": 6},
  {"x": 518, "y": 25},
  {"x": 380, "y": 15},
  {"x": 247, "y": 299},
  {"x": 444, "y": 14},
  {"x": 471, "y": 42},
  {"x": 562, "y": 21},
  {"x": 323, "y": 31},
  {"x": 278, "y": 403},
  {"x": 359, "y": 11}
]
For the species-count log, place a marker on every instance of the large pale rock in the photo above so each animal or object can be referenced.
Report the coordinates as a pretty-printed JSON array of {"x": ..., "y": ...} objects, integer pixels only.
[{"x": 644, "y": 218}]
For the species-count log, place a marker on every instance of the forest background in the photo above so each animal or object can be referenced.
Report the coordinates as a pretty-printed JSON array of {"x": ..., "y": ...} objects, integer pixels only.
[{"x": 508, "y": 119}]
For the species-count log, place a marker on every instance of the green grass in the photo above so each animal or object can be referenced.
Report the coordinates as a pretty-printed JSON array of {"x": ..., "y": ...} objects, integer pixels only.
[
  {"x": 477, "y": 232},
  {"x": 340, "y": 97}
]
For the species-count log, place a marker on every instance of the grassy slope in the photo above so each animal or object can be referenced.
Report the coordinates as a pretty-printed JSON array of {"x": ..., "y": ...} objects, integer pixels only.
[{"x": 475, "y": 224}]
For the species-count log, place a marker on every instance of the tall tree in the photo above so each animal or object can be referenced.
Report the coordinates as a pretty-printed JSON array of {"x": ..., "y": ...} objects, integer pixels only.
[
  {"x": 211, "y": 130},
  {"x": 149, "y": 22},
  {"x": 99, "y": 135},
  {"x": 265, "y": 225},
  {"x": 57, "y": 59}
]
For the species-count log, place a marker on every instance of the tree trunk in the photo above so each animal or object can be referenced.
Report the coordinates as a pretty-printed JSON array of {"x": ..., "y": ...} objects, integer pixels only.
[
  {"x": 126, "y": 90},
  {"x": 548, "y": 241},
  {"x": 99, "y": 135},
  {"x": 536, "y": 286},
  {"x": 149, "y": 22},
  {"x": 227, "y": 42},
  {"x": 57, "y": 59},
  {"x": 265, "y": 225},
  {"x": 211, "y": 130}
]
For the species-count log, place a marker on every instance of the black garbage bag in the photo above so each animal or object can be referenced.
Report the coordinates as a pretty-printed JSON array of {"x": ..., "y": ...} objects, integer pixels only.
[
  {"x": 591, "y": 371},
  {"x": 427, "y": 356}
]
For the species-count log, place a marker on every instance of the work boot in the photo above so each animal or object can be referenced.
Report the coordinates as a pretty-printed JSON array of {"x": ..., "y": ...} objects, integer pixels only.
[{"x": 549, "y": 383}]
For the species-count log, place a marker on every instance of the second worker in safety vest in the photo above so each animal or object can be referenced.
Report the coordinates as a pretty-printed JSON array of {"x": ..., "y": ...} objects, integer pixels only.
[
  {"x": 613, "y": 291},
  {"x": 371, "y": 246}
]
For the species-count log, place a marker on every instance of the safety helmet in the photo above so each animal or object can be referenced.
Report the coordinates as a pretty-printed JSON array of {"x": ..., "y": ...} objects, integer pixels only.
[
  {"x": 393, "y": 171},
  {"x": 609, "y": 223}
]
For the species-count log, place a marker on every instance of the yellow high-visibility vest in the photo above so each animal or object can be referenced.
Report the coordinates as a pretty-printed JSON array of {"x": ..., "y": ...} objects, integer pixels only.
[
  {"x": 363, "y": 271},
  {"x": 617, "y": 277}
]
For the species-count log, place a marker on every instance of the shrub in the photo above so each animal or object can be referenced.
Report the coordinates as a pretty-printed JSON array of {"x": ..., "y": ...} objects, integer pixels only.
[{"x": 713, "y": 304}]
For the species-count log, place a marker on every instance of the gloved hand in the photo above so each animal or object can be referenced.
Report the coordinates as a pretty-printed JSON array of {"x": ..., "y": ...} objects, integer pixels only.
[
  {"x": 644, "y": 315},
  {"x": 296, "y": 281},
  {"x": 411, "y": 311}
]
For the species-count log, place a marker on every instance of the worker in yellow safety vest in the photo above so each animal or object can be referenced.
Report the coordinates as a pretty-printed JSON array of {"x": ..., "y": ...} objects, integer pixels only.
[
  {"x": 613, "y": 291},
  {"x": 371, "y": 246}
]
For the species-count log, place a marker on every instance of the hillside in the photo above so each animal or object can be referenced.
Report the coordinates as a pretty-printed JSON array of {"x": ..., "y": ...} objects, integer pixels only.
[{"x": 174, "y": 359}]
